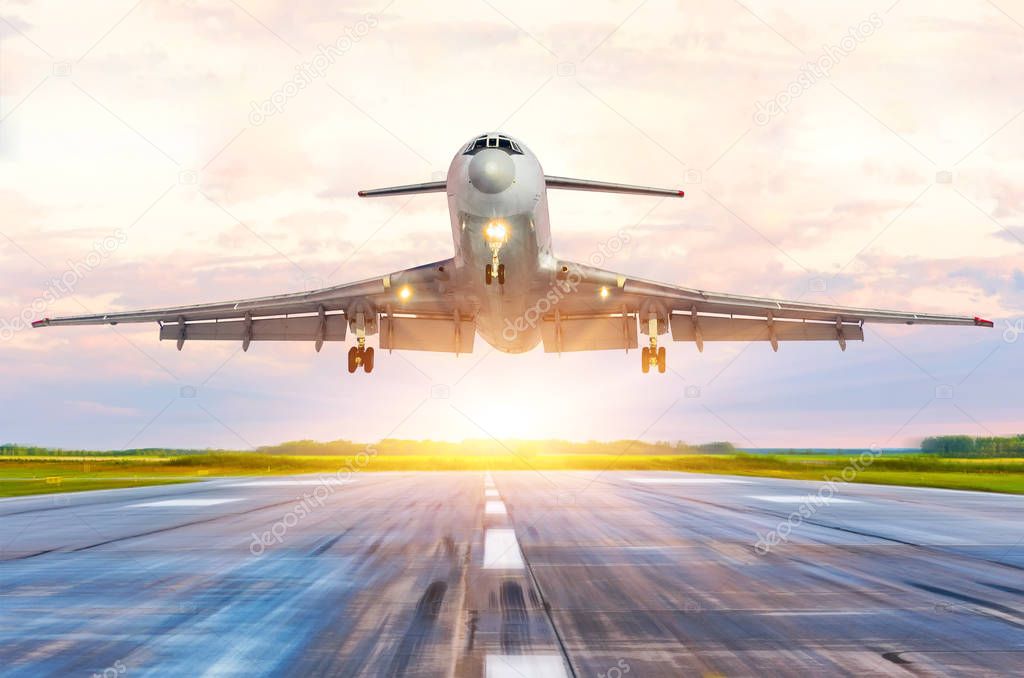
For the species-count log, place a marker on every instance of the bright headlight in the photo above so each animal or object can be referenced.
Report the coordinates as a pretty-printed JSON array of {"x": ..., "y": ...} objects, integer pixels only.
[{"x": 495, "y": 231}]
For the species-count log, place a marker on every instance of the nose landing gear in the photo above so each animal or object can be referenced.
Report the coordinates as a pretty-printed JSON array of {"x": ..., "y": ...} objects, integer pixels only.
[
  {"x": 496, "y": 234},
  {"x": 492, "y": 271}
]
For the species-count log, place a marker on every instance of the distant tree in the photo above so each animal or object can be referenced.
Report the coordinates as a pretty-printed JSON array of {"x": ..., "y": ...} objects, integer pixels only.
[
  {"x": 948, "y": 446},
  {"x": 718, "y": 447}
]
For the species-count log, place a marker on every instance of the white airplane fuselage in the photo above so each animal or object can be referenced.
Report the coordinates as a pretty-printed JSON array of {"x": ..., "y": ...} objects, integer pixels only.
[{"x": 501, "y": 192}]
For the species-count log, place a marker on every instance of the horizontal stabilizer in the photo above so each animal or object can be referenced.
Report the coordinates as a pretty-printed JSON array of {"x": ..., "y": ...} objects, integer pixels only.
[
  {"x": 605, "y": 187},
  {"x": 429, "y": 187}
]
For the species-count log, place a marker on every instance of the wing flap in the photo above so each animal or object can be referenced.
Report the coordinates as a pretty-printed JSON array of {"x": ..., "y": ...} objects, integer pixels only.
[
  {"x": 427, "y": 334},
  {"x": 719, "y": 328},
  {"x": 302, "y": 328},
  {"x": 589, "y": 334}
]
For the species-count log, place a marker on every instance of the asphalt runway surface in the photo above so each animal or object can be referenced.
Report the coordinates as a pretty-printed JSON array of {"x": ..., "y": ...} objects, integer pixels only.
[{"x": 617, "y": 575}]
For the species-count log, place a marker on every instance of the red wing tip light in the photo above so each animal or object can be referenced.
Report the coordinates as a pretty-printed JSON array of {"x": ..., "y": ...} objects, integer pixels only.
[
  {"x": 681, "y": 193},
  {"x": 361, "y": 194},
  {"x": 40, "y": 323},
  {"x": 981, "y": 322}
]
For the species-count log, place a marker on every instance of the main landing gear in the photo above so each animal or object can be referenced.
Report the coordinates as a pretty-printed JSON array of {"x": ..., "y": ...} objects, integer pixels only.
[
  {"x": 491, "y": 272},
  {"x": 360, "y": 356},
  {"x": 653, "y": 355}
]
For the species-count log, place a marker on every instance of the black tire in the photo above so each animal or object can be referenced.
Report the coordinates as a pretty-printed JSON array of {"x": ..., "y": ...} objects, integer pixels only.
[
  {"x": 501, "y": 274},
  {"x": 352, "y": 359},
  {"x": 645, "y": 359},
  {"x": 488, "y": 274},
  {"x": 661, "y": 360},
  {"x": 368, "y": 360}
]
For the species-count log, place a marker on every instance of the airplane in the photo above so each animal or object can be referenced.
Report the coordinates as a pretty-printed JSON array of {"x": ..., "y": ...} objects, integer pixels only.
[{"x": 506, "y": 284}]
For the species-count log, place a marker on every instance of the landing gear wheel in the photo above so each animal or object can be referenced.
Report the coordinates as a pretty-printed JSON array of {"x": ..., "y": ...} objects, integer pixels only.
[
  {"x": 352, "y": 353},
  {"x": 661, "y": 359},
  {"x": 368, "y": 360},
  {"x": 501, "y": 274},
  {"x": 645, "y": 359},
  {"x": 488, "y": 274}
]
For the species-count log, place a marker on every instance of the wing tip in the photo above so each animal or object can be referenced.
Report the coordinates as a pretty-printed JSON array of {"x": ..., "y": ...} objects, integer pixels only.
[
  {"x": 361, "y": 194},
  {"x": 41, "y": 323},
  {"x": 681, "y": 193},
  {"x": 981, "y": 322}
]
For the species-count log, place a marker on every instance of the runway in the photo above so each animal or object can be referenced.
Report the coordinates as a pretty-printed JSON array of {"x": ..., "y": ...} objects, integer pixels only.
[{"x": 616, "y": 574}]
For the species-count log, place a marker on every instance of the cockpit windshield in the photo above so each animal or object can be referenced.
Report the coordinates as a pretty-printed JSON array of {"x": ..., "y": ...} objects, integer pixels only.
[{"x": 493, "y": 141}]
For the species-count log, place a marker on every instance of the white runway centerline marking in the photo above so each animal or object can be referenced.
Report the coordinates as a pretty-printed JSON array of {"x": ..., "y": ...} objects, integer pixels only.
[
  {"x": 491, "y": 492},
  {"x": 801, "y": 499},
  {"x": 517, "y": 666},
  {"x": 689, "y": 481},
  {"x": 182, "y": 502},
  {"x": 501, "y": 551},
  {"x": 496, "y": 508}
]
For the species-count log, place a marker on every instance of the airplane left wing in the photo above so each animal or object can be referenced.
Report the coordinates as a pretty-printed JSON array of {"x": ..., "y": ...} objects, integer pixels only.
[
  {"x": 403, "y": 297},
  {"x": 591, "y": 314}
]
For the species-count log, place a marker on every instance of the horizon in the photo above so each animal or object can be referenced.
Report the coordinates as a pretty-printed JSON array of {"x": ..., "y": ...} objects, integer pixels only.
[{"x": 481, "y": 442}]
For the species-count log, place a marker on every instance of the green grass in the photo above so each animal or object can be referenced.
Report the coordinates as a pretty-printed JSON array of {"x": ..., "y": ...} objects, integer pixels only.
[
  {"x": 18, "y": 477},
  {"x": 37, "y": 475}
]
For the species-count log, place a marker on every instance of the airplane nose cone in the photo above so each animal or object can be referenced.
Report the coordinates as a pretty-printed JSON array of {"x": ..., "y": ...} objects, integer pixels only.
[{"x": 491, "y": 171}]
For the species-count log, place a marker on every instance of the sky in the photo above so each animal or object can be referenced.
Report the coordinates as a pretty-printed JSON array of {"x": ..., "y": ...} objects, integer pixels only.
[{"x": 158, "y": 153}]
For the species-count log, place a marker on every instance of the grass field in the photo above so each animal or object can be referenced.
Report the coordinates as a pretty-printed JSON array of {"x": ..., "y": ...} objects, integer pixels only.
[{"x": 38, "y": 475}]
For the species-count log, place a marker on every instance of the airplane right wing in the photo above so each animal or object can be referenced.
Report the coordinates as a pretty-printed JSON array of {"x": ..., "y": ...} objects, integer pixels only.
[{"x": 597, "y": 307}]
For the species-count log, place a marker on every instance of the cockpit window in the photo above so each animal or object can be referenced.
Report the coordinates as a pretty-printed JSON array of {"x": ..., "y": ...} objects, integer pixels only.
[{"x": 493, "y": 141}]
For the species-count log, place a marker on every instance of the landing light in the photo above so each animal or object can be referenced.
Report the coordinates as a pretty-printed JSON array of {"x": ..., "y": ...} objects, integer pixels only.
[
  {"x": 604, "y": 292},
  {"x": 495, "y": 231},
  {"x": 405, "y": 293}
]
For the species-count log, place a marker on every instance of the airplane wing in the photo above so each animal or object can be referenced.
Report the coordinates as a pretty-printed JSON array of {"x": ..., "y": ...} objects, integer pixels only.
[
  {"x": 593, "y": 305},
  {"x": 404, "y": 298}
]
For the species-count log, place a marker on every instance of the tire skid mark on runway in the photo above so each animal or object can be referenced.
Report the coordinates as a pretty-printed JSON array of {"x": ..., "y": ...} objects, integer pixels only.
[
  {"x": 996, "y": 610},
  {"x": 420, "y": 629},
  {"x": 327, "y": 544},
  {"x": 179, "y": 526},
  {"x": 27, "y": 556}
]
